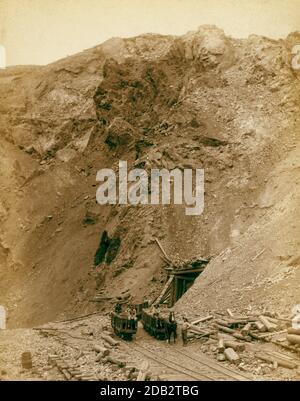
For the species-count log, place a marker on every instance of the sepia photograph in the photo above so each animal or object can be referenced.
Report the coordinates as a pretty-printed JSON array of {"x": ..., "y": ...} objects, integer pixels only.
[{"x": 149, "y": 193}]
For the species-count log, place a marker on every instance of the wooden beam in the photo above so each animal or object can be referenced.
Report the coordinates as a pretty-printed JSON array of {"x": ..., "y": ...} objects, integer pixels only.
[
  {"x": 202, "y": 319},
  {"x": 143, "y": 371},
  {"x": 163, "y": 251},
  {"x": 176, "y": 272},
  {"x": 176, "y": 289},
  {"x": 185, "y": 278},
  {"x": 164, "y": 291}
]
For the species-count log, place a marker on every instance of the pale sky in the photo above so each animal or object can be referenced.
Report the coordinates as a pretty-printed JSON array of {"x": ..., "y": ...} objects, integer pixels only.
[{"x": 42, "y": 31}]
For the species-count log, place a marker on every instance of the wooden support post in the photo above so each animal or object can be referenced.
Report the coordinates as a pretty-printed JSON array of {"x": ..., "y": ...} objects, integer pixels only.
[
  {"x": 165, "y": 290},
  {"x": 163, "y": 251},
  {"x": 175, "y": 290}
]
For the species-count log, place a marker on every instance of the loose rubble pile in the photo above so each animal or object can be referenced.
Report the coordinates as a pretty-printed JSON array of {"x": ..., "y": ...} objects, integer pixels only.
[{"x": 242, "y": 340}]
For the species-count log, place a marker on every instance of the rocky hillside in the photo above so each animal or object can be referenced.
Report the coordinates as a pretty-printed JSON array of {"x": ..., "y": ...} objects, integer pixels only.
[{"x": 202, "y": 100}]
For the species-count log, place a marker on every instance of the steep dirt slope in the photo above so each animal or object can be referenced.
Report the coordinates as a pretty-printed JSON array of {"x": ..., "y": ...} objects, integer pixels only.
[
  {"x": 201, "y": 100},
  {"x": 261, "y": 269}
]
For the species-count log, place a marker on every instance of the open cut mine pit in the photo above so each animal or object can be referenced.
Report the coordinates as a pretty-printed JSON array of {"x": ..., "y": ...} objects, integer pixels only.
[{"x": 88, "y": 289}]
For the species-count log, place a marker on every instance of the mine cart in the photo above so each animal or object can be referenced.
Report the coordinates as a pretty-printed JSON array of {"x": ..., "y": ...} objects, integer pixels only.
[
  {"x": 139, "y": 308},
  {"x": 123, "y": 326},
  {"x": 154, "y": 325}
]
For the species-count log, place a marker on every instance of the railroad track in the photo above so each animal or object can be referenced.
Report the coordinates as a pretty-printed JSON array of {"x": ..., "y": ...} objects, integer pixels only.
[
  {"x": 188, "y": 367},
  {"x": 222, "y": 372},
  {"x": 174, "y": 363},
  {"x": 172, "y": 366}
]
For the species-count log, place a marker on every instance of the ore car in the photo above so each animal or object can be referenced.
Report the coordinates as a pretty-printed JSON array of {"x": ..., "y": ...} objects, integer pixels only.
[
  {"x": 140, "y": 307},
  {"x": 154, "y": 325},
  {"x": 123, "y": 327}
]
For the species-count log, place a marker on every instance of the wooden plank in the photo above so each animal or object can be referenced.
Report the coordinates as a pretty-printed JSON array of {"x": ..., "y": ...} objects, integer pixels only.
[
  {"x": 201, "y": 335},
  {"x": 185, "y": 278},
  {"x": 233, "y": 333},
  {"x": 291, "y": 330},
  {"x": 114, "y": 361},
  {"x": 258, "y": 255},
  {"x": 176, "y": 289},
  {"x": 143, "y": 371},
  {"x": 109, "y": 340},
  {"x": 221, "y": 346},
  {"x": 280, "y": 355},
  {"x": 239, "y": 347},
  {"x": 202, "y": 319},
  {"x": 260, "y": 327},
  {"x": 293, "y": 339},
  {"x": 266, "y": 335},
  {"x": 104, "y": 351},
  {"x": 273, "y": 360},
  {"x": 270, "y": 326},
  {"x": 165, "y": 289},
  {"x": 200, "y": 270},
  {"x": 285, "y": 346},
  {"x": 246, "y": 329},
  {"x": 163, "y": 251},
  {"x": 231, "y": 355}
]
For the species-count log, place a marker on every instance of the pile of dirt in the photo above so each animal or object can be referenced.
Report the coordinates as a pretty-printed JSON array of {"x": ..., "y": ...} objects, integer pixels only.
[
  {"x": 261, "y": 268},
  {"x": 202, "y": 100}
]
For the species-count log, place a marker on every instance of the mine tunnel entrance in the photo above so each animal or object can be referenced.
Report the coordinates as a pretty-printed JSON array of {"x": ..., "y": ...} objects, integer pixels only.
[{"x": 181, "y": 278}]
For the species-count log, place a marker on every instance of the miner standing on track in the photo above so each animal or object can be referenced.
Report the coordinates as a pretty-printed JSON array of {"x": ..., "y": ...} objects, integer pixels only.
[{"x": 184, "y": 330}]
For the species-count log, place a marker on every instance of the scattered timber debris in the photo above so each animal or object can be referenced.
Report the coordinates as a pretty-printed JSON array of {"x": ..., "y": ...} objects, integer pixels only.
[
  {"x": 71, "y": 371},
  {"x": 111, "y": 341},
  {"x": 143, "y": 371},
  {"x": 230, "y": 337}
]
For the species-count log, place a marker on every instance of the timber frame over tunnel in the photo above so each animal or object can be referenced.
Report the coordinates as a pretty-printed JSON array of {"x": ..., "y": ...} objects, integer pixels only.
[{"x": 180, "y": 280}]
